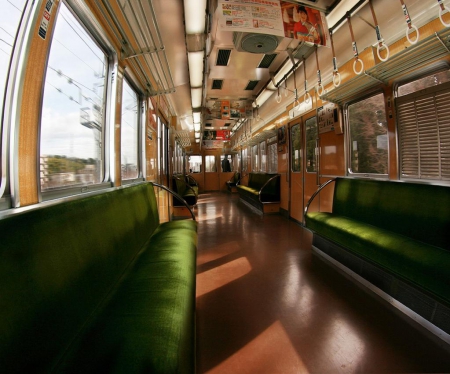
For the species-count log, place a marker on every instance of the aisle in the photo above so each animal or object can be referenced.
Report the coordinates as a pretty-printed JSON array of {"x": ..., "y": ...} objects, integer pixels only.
[{"x": 266, "y": 305}]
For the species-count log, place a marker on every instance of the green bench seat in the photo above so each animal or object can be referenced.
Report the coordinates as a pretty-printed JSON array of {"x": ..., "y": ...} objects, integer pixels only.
[
  {"x": 400, "y": 230},
  {"x": 188, "y": 191},
  {"x": 261, "y": 189},
  {"x": 97, "y": 284}
]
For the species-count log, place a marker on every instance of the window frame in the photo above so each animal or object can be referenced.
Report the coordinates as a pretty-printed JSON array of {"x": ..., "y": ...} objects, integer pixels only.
[
  {"x": 87, "y": 20},
  {"x": 9, "y": 110},
  {"x": 291, "y": 147},
  {"x": 140, "y": 130}
]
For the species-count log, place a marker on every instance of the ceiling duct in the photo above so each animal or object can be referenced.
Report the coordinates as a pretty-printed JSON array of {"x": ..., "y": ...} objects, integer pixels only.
[{"x": 256, "y": 43}]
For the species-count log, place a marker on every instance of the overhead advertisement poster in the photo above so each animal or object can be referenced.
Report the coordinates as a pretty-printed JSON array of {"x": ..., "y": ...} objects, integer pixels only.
[
  {"x": 305, "y": 24},
  {"x": 256, "y": 16}
]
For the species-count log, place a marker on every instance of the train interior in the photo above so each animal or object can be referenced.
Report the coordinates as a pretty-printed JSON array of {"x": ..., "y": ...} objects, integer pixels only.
[{"x": 307, "y": 144}]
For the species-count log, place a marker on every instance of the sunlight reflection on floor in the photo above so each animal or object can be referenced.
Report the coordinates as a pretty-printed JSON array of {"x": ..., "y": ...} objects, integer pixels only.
[
  {"x": 262, "y": 355},
  {"x": 219, "y": 276}
]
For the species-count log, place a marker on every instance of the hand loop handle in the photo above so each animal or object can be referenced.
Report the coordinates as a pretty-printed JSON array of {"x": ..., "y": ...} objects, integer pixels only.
[
  {"x": 411, "y": 26},
  {"x": 336, "y": 79},
  {"x": 307, "y": 98},
  {"x": 320, "y": 90},
  {"x": 379, "y": 47},
  {"x": 441, "y": 13},
  {"x": 358, "y": 72}
]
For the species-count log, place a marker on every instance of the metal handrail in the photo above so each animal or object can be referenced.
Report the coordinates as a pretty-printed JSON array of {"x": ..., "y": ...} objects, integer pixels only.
[
  {"x": 187, "y": 185},
  {"x": 176, "y": 195},
  {"x": 321, "y": 187},
  {"x": 264, "y": 185}
]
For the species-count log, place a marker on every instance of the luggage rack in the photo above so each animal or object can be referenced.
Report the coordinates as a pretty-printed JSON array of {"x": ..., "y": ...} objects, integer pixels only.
[{"x": 416, "y": 56}]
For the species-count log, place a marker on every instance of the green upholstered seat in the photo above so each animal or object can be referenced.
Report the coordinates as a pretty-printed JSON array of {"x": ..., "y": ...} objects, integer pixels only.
[
  {"x": 71, "y": 270},
  {"x": 403, "y": 228},
  {"x": 188, "y": 192},
  {"x": 257, "y": 192}
]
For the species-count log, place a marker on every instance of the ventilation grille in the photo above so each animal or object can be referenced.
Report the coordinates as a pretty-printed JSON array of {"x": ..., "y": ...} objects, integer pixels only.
[
  {"x": 223, "y": 57},
  {"x": 267, "y": 61},
  {"x": 251, "y": 85},
  {"x": 208, "y": 124},
  {"x": 217, "y": 84}
]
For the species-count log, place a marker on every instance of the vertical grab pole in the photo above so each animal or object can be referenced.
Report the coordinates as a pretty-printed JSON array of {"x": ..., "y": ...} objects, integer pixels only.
[
  {"x": 409, "y": 24},
  {"x": 355, "y": 48},
  {"x": 381, "y": 43}
]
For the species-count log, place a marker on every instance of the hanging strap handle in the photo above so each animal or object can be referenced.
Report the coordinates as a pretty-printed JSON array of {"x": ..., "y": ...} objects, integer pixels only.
[
  {"x": 307, "y": 96},
  {"x": 442, "y": 10},
  {"x": 320, "y": 89},
  {"x": 355, "y": 48},
  {"x": 336, "y": 74},
  {"x": 381, "y": 43},
  {"x": 409, "y": 24}
]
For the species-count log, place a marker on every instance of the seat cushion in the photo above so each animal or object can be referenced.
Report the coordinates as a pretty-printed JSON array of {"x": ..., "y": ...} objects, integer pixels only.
[
  {"x": 418, "y": 263},
  {"x": 148, "y": 323}
]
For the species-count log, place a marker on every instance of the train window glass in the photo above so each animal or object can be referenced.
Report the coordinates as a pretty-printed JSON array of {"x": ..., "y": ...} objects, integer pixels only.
[
  {"x": 129, "y": 132},
  {"x": 424, "y": 82},
  {"x": 424, "y": 134},
  {"x": 71, "y": 152},
  {"x": 255, "y": 158},
  {"x": 368, "y": 136},
  {"x": 311, "y": 140},
  {"x": 195, "y": 164},
  {"x": 263, "y": 156},
  {"x": 272, "y": 155},
  {"x": 10, "y": 17},
  {"x": 224, "y": 166},
  {"x": 244, "y": 159},
  {"x": 295, "y": 148},
  {"x": 210, "y": 164}
]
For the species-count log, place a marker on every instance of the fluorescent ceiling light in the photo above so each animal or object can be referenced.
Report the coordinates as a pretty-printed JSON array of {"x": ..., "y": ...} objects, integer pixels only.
[
  {"x": 195, "y": 16},
  {"x": 196, "y": 97},
  {"x": 340, "y": 11},
  {"x": 196, "y": 127},
  {"x": 197, "y": 135},
  {"x": 195, "y": 60},
  {"x": 261, "y": 99},
  {"x": 196, "y": 116}
]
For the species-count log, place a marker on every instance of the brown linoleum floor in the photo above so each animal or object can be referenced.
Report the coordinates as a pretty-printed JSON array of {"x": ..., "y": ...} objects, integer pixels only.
[{"x": 265, "y": 304}]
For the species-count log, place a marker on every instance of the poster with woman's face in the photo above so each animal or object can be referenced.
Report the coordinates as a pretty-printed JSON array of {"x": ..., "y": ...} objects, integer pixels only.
[{"x": 305, "y": 24}]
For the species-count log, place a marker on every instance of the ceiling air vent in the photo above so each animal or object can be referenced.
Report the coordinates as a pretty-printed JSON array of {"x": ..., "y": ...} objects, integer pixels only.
[
  {"x": 267, "y": 60},
  {"x": 227, "y": 124},
  {"x": 208, "y": 124},
  {"x": 251, "y": 85},
  {"x": 223, "y": 57},
  {"x": 255, "y": 43},
  {"x": 217, "y": 84}
]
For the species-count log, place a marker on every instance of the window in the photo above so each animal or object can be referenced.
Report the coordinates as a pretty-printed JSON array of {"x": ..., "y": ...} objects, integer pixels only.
[
  {"x": 296, "y": 148},
  {"x": 210, "y": 164},
  {"x": 129, "y": 132},
  {"x": 10, "y": 20},
  {"x": 255, "y": 158},
  {"x": 72, "y": 122},
  {"x": 224, "y": 166},
  {"x": 195, "y": 164},
  {"x": 311, "y": 149},
  {"x": 263, "y": 156},
  {"x": 424, "y": 128},
  {"x": 272, "y": 155},
  {"x": 244, "y": 159},
  {"x": 368, "y": 136}
]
